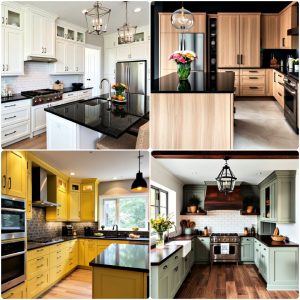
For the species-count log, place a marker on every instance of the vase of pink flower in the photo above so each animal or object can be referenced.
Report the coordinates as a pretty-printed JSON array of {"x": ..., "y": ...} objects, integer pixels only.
[{"x": 183, "y": 60}]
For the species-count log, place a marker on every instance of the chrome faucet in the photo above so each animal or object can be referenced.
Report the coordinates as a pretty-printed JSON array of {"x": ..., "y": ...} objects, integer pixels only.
[
  {"x": 109, "y": 85},
  {"x": 117, "y": 228}
]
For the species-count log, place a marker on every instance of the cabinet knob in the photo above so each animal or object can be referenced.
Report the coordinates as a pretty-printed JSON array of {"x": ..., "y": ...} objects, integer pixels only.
[
  {"x": 165, "y": 267},
  {"x": 6, "y": 67},
  {"x": 176, "y": 257}
]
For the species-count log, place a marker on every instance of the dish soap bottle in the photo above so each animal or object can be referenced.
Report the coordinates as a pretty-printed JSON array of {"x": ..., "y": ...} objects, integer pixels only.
[{"x": 252, "y": 230}]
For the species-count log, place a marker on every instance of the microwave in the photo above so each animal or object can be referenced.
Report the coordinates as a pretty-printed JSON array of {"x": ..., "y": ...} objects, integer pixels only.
[{"x": 13, "y": 218}]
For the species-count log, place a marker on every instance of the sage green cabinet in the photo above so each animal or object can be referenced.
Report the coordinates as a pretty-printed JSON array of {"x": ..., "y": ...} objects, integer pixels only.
[
  {"x": 277, "y": 197},
  {"x": 247, "y": 249},
  {"x": 202, "y": 250},
  {"x": 175, "y": 278}
]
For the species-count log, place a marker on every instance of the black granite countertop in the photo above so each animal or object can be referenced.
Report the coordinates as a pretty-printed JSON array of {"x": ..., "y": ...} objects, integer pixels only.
[
  {"x": 106, "y": 117},
  {"x": 267, "y": 240},
  {"x": 124, "y": 256},
  {"x": 71, "y": 89},
  {"x": 158, "y": 256},
  {"x": 141, "y": 239},
  {"x": 198, "y": 82},
  {"x": 61, "y": 239},
  {"x": 14, "y": 97}
]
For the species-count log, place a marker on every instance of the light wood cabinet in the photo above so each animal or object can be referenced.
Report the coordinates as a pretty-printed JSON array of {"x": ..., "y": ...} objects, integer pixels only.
[
  {"x": 288, "y": 20},
  {"x": 18, "y": 292},
  {"x": 270, "y": 31},
  {"x": 89, "y": 200},
  {"x": 269, "y": 82},
  {"x": 238, "y": 40},
  {"x": 252, "y": 82},
  {"x": 278, "y": 88},
  {"x": 14, "y": 174}
]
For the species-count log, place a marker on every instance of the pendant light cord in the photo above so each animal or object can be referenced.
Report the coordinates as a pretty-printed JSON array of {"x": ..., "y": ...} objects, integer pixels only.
[{"x": 139, "y": 161}]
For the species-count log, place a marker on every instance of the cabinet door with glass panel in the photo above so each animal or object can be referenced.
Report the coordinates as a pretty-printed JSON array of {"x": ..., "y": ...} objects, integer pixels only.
[
  {"x": 12, "y": 17},
  {"x": 268, "y": 198}
]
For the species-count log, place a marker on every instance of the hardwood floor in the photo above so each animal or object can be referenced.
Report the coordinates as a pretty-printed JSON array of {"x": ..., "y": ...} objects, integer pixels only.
[
  {"x": 78, "y": 285},
  {"x": 228, "y": 281},
  {"x": 37, "y": 142}
]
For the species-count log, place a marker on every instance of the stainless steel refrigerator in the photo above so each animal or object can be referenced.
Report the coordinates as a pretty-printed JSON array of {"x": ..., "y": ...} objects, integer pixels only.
[
  {"x": 193, "y": 42},
  {"x": 133, "y": 73}
]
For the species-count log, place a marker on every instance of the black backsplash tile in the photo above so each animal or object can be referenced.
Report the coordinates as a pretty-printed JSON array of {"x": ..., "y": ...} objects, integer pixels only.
[{"x": 279, "y": 54}]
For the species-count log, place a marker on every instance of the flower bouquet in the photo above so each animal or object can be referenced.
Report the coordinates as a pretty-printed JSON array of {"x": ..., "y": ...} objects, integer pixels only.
[
  {"x": 183, "y": 60},
  {"x": 160, "y": 225},
  {"x": 120, "y": 88}
]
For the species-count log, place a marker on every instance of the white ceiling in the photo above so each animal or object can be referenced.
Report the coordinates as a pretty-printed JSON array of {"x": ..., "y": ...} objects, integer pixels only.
[
  {"x": 196, "y": 171},
  {"x": 71, "y": 11},
  {"x": 103, "y": 165}
]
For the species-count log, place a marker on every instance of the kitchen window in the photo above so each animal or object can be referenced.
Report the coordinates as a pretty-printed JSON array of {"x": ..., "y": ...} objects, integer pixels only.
[
  {"x": 125, "y": 211},
  {"x": 159, "y": 202}
]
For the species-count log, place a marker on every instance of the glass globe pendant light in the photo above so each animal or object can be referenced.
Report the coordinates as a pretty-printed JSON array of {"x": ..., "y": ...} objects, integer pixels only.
[
  {"x": 182, "y": 19},
  {"x": 139, "y": 185},
  {"x": 226, "y": 179},
  {"x": 126, "y": 32},
  {"x": 97, "y": 18}
]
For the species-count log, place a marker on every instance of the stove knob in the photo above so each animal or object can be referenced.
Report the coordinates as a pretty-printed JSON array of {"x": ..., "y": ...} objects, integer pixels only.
[{"x": 40, "y": 100}]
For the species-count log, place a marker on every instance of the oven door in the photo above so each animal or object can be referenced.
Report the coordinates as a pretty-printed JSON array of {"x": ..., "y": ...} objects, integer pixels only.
[
  {"x": 217, "y": 255},
  {"x": 13, "y": 218},
  {"x": 290, "y": 106},
  {"x": 13, "y": 258}
]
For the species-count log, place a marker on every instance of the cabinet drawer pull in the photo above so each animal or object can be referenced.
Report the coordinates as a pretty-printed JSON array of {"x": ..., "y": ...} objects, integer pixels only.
[
  {"x": 9, "y": 182},
  {"x": 253, "y": 71},
  {"x": 8, "y": 118},
  {"x": 253, "y": 87},
  {"x": 2, "y": 20},
  {"x": 38, "y": 259},
  {"x": 176, "y": 257},
  {"x": 58, "y": 271},
  {"x": 39, "y": 250},
  {"x": 279, "y": 94},
  {"x": 251, "y": 77},
  {"x": 280, "y": 83},
  {"x": 58, "y": 266},
  {"x": 265, "y": 249},
  {"x": 40, "y": 276},
  {"x": 165, "y": 267},
  {"x": 40, "y": 266},
  {"x": 279, "y": 75},
  {"x": 247, "y": 239},
  {"x": 10, "y": 133},
  {"x": 241, "y": 59},
  {"x": 6, "y": 106},
  {"x": 40, "y": 283},
  {"x": 176, "y": 269},
  {"x": 262, "y": 255},
  {"x": 4, "y": 181}
]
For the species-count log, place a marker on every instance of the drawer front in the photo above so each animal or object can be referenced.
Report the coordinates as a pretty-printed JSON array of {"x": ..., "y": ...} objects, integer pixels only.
[
  {"x": 56, "y": 257},
  {"x": 37, "y": 253},
  {"x": 56, "y": 247},
  {"x": 279, "y": 95},
  {"x": 84, "y": 94},
  {"x": 174, "y": 260},
  {"x": 37, "y": 265},
  {"x": 15, "y": 104},
  {"x": 10, "y": 117},
  {"x": 37, "y": 284},
  {"x": 251, "y": 80},
  {"x": 70, "y": 95},
  {"x": 246, "y": 240},
  {"x": 56, "y": 273},
  {"x": 14, "y": 132},
  {"x": 236, "y": 71},
  {"x": 279, "y": 77},
  {"x": 252, "y": 91},
  {"x": 251, "y": 72},
  {"x": 18, "y": 292}
]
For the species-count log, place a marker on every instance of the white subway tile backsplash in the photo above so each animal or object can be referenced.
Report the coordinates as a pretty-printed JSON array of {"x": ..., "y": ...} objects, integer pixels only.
[
  {"x": 227, "y": 221},
  {"x": 36, "y": 76}
]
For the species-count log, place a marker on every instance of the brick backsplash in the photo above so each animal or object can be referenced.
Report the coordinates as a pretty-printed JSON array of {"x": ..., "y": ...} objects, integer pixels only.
[
  {"x": 36, "y": 76},
  {"x": 37, "y": 227},
  {"x": 227, "y": 221}
]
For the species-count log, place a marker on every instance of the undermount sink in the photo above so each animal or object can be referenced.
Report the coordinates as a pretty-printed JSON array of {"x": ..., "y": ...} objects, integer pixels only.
[{"x": 187, "y": 246}]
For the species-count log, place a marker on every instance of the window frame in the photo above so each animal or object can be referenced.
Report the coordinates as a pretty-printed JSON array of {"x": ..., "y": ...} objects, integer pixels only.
[{"x": 117, "y": 198}]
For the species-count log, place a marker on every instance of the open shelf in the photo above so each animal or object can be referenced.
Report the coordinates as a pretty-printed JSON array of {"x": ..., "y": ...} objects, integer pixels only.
[
  {"x": 244, "y": 213},
  {"x": 191, "y": 214}
]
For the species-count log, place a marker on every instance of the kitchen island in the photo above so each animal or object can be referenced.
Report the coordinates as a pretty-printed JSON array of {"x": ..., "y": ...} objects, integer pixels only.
[
  {"x": 121, "y": 271},
  {"x": 78, "y": 125},
  {"x": 193, "y": 114}
]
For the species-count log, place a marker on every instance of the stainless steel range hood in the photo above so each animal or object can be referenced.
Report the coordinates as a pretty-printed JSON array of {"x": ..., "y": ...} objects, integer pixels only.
[
  {"x": 41, "y": 59},
  {"x": 39, "y": 189}
]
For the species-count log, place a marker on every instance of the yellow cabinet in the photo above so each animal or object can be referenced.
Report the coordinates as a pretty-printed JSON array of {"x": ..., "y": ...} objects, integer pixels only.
[
  {"x": 18, "y": 292},
  {"x": 38, "y": 284},
  {"x": 89, "y": 200},
  {"x": 29, "y": 191},
  {"x": 74, "y": 200},
  {"x": 90, "y": 251},
  {"x": 57, "y": 192},
  {"x": 14, "y": 174},
  {"x": 81, "y": 252}
]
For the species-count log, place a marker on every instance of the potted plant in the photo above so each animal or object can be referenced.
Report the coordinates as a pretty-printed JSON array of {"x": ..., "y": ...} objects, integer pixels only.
[
  {"x": 193, "y": 203},
  {"x": 183, "y": 60},
  {"x": 160, "y": 225}
]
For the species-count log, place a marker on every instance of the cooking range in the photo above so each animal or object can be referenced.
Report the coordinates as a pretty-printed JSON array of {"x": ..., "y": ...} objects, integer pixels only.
[
  {"x": 290, "y": 100},
  {"x": 224, "y": 247},
  {"x": 43, "y": 96}
]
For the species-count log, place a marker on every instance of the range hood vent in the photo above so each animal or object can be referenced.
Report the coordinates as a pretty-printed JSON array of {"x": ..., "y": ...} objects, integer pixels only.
[
  {"x": 39, "y": 189},
  {"x": 41, "y": 59},
  {"x": 216, "y": 200}
]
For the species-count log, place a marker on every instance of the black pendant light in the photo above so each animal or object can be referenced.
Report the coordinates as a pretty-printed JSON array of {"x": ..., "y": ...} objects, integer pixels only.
[
  {"x": 139, "y": 185},
  {"x": 226, "y": 179}
]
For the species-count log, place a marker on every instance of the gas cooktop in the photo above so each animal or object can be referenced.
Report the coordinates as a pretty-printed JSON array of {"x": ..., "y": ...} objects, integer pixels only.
[
  {"x": 224, "y": 234},
  {"x": 38, "y": 92},
  {"x": 46, "y": 240}
]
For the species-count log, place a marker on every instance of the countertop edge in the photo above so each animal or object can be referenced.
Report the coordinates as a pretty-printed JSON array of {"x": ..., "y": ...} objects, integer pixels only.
[
  {"x": 164, "y": 259},
  {"x": 94, "y": 265}
]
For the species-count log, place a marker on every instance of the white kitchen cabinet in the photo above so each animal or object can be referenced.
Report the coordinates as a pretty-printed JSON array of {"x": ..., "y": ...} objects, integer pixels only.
[
  {"x": 110, "y": 58},
  {"x": 70, "y": 32},
  {"x": 59, "y": 66},
  {"x": 39, "y": 33},
  {"x": 12, "y": 16},
  {"x": 79, "y": 58},
  {"x": 139, "y": 51},
  {"x": 70, "y": 57},
  {"x": 111, "y": 40},
  {"x": 85, "y": 94}
]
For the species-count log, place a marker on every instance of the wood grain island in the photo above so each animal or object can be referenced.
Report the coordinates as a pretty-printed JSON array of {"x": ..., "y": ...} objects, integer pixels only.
[{"x": 197, "y": 114}]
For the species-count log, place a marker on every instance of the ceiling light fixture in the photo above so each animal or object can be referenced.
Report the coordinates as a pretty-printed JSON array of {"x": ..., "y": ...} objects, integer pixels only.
[
  {"x": 126, "y": 32},
  {"x": 226, "y": 179},
  {"x": 72, "y": 173},
  {"x": 182, "y": 19},
  {"x": 139, "y": 185},
  {"x": 137, "y": 10},
  {"x": 97, "y": 18},
  {"x": 115, "y": 178}
]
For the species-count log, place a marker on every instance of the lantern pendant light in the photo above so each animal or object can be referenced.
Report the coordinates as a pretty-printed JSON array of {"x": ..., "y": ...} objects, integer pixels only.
[
  {"x": 97, "y": 18},
  {"x": 126, "y": 32},
  {"x": 226, "y": 179},
  {"x": 139, "y": 185},
  {"x": 182, "y": 19}
]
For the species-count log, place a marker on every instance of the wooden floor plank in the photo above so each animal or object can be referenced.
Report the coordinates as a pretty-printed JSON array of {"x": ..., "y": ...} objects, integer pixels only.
[
  {"x": 37, "y": 142},
  {"x": 228, "y": 281}
]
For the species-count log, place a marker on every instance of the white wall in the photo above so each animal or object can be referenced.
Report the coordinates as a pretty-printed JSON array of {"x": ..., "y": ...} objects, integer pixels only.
[
  {"x": 36, "y": 76},
  {"x": 292, "y": 230},
  {"x": 164, "y": 178}
]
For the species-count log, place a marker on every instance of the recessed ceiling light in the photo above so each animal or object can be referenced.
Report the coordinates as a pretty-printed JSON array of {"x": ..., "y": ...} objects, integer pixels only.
[
  {"x": 137, "y": 10},
  {"x": 72, "y": 173},
  {"x": 115, "y": 178}
]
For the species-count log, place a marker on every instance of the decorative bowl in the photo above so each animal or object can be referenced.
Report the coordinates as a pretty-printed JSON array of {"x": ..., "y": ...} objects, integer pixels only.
[
  {"x": 278, "y": 238},
  {"x": 77, "y": 85}
]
